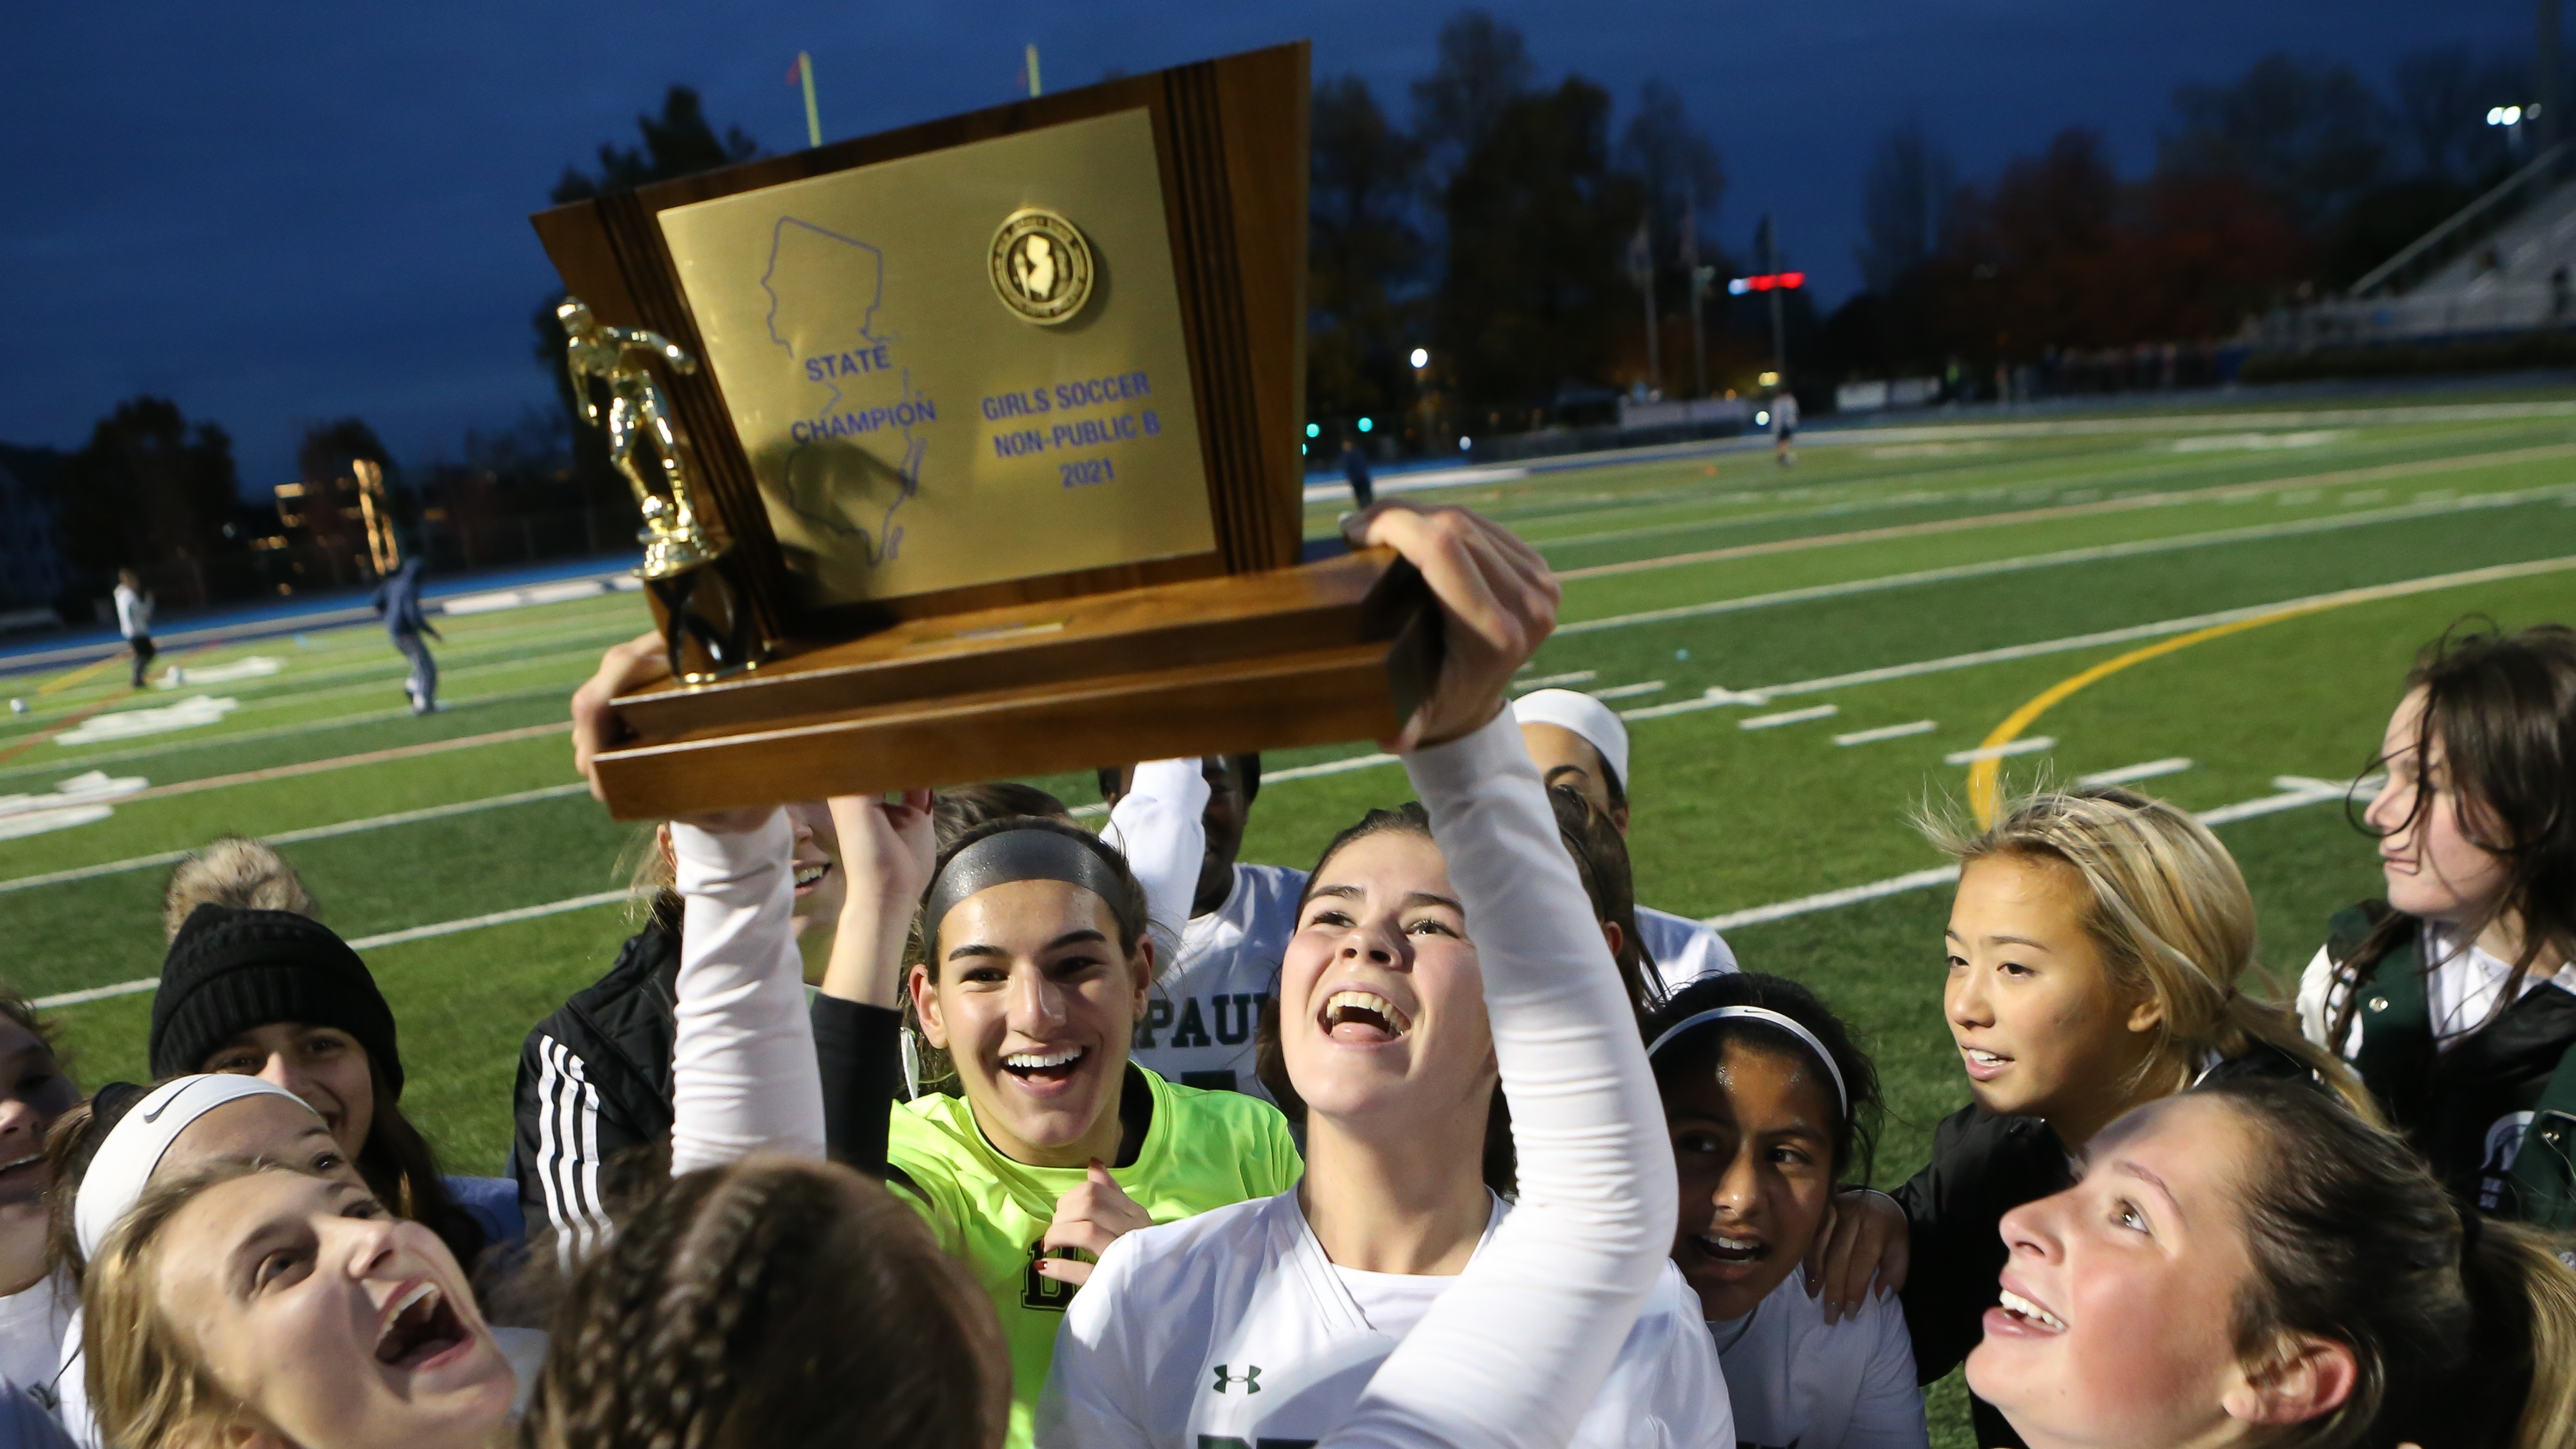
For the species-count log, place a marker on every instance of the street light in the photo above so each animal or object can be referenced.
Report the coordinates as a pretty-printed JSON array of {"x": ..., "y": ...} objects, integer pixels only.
[
  {"x": 2507, "y": 115},
  {"x": 1421, "y": 358}
]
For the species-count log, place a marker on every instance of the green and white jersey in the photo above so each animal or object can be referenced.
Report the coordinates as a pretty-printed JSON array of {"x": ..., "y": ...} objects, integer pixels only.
[{"x": 1203, "y": 1150}]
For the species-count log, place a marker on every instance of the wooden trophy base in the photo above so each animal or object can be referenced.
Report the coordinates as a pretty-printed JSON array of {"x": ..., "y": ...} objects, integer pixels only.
[{"x": 1325, "y": 652}]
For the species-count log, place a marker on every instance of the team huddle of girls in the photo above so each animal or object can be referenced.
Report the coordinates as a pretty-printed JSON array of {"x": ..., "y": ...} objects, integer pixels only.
[{"x": 939, "y": 1120}]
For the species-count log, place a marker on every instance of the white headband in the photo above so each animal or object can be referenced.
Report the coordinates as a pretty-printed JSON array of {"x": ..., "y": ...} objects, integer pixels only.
[
  {"x": 1842, "y": 1097},
  {"x": 134, "y": 1146},
  {"x": 1597, "y": 723}
]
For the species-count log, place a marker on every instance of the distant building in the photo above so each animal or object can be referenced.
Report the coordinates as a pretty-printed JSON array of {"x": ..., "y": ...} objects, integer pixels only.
[{"x": 33, "y": 570}]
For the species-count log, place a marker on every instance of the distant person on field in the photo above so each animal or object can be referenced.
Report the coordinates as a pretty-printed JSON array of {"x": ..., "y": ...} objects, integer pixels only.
[
  {"x": 1784, "y": 427},
  {"x": 1355, "y": 468},
  {"x": 134, "y": 620},
  {"x": 1579, "y": 742},
  {"x": 398, "y": 599}
]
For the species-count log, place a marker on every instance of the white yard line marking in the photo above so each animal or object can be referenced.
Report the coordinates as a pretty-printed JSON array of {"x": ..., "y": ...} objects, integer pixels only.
[
  {"x": 271, "y": 732},
  {"x": 1554, "y": 681},
  {"x": 1328, "y": 767},
  {"x": 2129, "y": 774},
  {"x": 310, "y": 832},
  {"x": 2026, "y": 745},
  {"x": 1628, "y": 691},
  {"x": 2135, "y": 548},
  {"x": 2296, "y": 791},
  {"x": 1886, "y": 732},
  {"x": 368, "y": 943},
  {"x": 2432, "y": 583},
  {"x": 1789, "y": 717}
]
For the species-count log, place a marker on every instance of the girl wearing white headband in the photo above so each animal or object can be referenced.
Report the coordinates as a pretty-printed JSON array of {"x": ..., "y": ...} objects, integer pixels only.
[
  {"x": 1770, "y": 1106},
  {"x": 239, "y": 1279},
  {"x": 1436, "y": 952}
]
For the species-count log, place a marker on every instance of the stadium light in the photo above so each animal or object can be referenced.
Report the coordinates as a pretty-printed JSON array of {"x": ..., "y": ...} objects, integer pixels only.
[
  {"x": 1314, "y": 430},
  {"x": 1421, "y": 358},
  {"x": 1766, "y": 282},
  {"x": 2506, "y": 115},
  {"x": 1366, "y": 424}
]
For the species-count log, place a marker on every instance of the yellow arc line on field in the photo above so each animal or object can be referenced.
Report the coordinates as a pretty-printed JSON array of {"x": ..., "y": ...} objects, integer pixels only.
[
  {"x": 66, "y": 681},
  {"x": 1985, "y": 776}
]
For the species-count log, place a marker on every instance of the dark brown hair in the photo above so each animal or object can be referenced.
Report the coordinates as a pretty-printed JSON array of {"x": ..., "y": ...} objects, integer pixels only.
[
  {"x": 1601, "y": 860},
  {"x": 1856, "y": 1131},
  {"x": 401, "y": 1169},
  {"x": 2503, "y": 709},
  {"x": 961, "y": 808},
  {"x": 773, "y": 1303},
  {"x": 1126, "y": 905},
  {"x": 2463, "y": 1331}
]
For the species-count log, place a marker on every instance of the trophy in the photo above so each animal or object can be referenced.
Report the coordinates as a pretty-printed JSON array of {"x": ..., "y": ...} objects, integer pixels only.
[
  {"x": 705, "y": 631},
  {"x": 973, "y": 450}
]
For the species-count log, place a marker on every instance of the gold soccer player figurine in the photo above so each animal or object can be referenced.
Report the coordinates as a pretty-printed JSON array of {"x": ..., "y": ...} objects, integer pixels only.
[
  {"x": 704, "y": 626},
  {"x": 639, "y": 415}
]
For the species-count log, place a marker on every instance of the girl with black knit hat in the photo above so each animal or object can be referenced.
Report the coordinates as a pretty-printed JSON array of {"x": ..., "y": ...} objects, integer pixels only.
[{"x": 280, "y": 996}]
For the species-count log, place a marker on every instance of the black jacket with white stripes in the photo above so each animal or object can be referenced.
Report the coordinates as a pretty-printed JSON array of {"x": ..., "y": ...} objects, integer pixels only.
[{"x": 594, "y": 1096}]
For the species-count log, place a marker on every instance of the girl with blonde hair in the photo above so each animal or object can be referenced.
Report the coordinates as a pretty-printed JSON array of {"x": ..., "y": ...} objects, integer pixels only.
[{"x": 2100, "y": 949}]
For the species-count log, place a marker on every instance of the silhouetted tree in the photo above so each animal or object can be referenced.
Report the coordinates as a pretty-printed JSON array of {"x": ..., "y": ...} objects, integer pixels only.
[
  {"x": 1533, "y": 290},
  {"x": 1365, "y": 251},
  {"x": 1484, "y": 67},
  {"x": 2308, "y": 130},
  {"x": 1906, "y": 197},
  {"x": 150, "y": 492},
  {"x": 679, "y": 142}
]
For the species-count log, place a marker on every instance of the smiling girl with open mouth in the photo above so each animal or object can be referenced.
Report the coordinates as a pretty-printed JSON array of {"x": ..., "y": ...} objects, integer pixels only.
[
  {"x": 1770, "y": 1105},
  {"x": 2251, "y": 1264},
  {"x": 1268, "y": 1321}
]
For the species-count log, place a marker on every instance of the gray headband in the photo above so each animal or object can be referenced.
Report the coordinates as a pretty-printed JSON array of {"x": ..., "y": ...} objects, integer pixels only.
[
  {"x": 1027, "y": 853},
  {"x": 1765, "y": 1015}
]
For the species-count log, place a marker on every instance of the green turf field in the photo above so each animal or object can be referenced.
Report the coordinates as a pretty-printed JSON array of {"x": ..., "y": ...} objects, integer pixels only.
[{"x": 1935, "y": 577}]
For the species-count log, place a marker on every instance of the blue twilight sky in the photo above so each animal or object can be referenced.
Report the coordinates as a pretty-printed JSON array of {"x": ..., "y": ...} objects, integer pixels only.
[{"x": 283, "y": 212}]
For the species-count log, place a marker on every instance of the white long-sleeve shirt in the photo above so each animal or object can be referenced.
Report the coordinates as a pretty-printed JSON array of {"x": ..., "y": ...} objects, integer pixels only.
[
  {"x": 133, "y": 612},
  {"x": 743, "y": 1075},
  {"x": 1515, "y": 1351},
  {"x": 1235, "y": 1326}
]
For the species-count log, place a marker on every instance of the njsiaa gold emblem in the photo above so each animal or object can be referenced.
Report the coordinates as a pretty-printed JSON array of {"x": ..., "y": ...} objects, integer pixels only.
[{"x": 1041, "y": 266}]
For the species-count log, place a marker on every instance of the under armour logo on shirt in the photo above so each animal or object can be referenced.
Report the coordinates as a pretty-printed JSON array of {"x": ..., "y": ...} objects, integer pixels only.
[{"x": 1250, "y": 1378}]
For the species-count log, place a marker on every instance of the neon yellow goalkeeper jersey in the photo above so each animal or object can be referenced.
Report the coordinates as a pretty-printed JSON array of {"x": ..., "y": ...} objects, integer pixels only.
[{"x": 1203, "y": 1150}]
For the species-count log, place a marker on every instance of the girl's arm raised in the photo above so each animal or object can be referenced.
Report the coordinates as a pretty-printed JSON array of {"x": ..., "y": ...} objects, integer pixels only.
[
  {"x": 743, "y": 1078},
  {"x": 1515, "y": 1352}
]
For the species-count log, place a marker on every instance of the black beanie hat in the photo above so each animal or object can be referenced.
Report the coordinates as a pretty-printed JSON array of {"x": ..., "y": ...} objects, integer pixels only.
[{"x": 231, "y": 970}]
